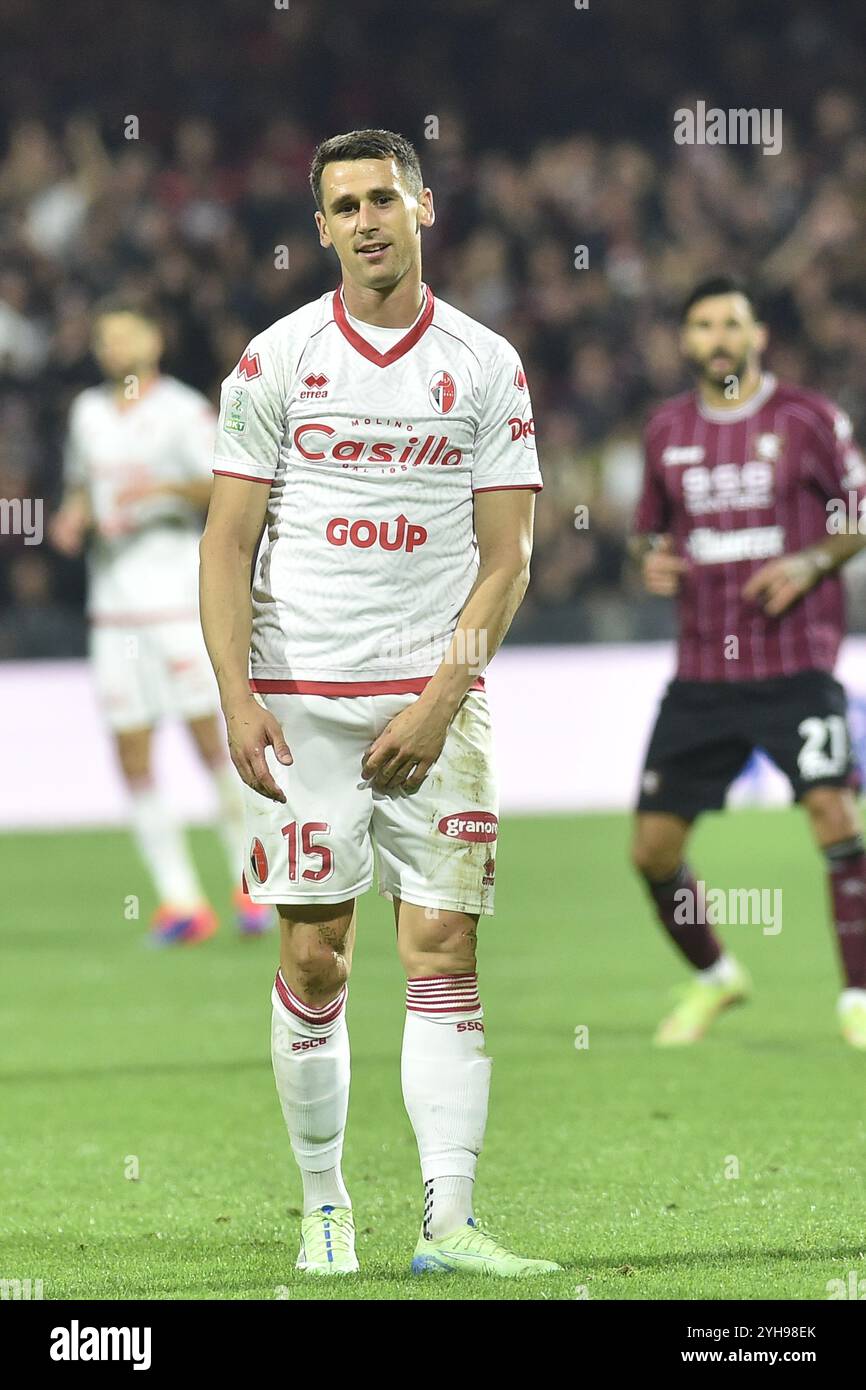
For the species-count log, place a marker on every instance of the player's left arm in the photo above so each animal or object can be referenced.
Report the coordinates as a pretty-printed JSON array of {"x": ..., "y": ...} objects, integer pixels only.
[
  {"x": 405, "y": 751},
  {"x": 839, "y": 472},
  {"x": 505, "y": 477}
]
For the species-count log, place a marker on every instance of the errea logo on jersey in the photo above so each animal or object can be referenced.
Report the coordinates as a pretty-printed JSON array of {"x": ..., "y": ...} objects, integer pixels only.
[
  {"x": 250, "y": 366},
  {"x": 315, "y": 382}
]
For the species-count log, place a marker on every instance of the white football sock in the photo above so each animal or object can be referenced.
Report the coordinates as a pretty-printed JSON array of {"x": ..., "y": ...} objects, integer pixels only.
[
  {"x": 230, "y": 826},
  {"x": 162, "y": 846},
  {"x": 310, "y": 1053},
  {"x": 722, "y": 971},
  {"x": 446, "y": 1084}
]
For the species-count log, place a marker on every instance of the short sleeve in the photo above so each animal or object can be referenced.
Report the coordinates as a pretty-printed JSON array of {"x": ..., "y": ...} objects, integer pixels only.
[
  {"x": 652, "y": 514},
  {"x": 198, "y": 439},
  {"x": 74, "y": 459},
  {"x": 837, "y": 463},
  {"x": 505, "y": 455},
  {"x": 250, "y": 425}
]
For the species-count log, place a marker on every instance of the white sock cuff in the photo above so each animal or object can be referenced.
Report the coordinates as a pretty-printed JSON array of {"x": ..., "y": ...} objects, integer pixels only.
[{"x": 304, "y": 1018}]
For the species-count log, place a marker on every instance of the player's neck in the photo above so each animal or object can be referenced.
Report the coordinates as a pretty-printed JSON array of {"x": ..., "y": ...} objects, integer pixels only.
[
  {"x": 396, "y": 307},
  {"x": 719, "y": 397}
]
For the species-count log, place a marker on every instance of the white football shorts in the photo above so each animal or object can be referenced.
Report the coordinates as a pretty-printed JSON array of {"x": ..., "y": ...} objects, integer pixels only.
[
  {"x": 152, "y": 670},
  {"x": 435, "y": 846}
]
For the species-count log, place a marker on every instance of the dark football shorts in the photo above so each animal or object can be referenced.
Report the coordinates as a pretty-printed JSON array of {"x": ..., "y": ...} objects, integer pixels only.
[{"x": 706, "y": 732}]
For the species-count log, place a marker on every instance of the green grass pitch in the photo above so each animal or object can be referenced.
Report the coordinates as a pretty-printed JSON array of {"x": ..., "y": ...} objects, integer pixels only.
[{"x": 616, "y": 1160}]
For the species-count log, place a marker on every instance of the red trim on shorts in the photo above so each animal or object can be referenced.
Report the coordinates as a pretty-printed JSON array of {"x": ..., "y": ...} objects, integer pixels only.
[
  {"x": 411, "y": 686},
  {"x": 245, "y": 477}
]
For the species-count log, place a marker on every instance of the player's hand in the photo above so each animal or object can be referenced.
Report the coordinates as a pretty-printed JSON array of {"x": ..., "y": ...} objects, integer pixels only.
[
  {"x": 661, "y": 568},
  {"x": 406, "y": 750},
  {"x": 780, "y": 583},
  {"x": 67, "y": 529},
  {"x": 251, "y": 729}
]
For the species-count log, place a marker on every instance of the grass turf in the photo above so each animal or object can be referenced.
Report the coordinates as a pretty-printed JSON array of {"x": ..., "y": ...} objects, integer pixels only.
[{"x": 617, "y": 1160}]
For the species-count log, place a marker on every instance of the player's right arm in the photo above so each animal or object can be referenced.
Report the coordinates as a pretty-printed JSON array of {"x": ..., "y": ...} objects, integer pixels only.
[
  {"x": 247, "y": 454},
  {"x": 651, "y": 547},
  {"x": 68, "y": 527},
  {"x": 227, "y": 550}
]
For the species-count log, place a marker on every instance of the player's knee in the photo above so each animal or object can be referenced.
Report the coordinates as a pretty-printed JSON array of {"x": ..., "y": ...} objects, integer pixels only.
[
  {"x": 443, "y": 943},
  {"x": 833, "y": 814},
  {"x": 315, "y": 956},
  {"x": 655, "y": 858},
  {"x": 133, "y": 752}
]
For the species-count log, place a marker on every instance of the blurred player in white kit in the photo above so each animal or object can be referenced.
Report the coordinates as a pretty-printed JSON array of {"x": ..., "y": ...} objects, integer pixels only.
[
  {"x": 386, "y": 440},
  {"x": 137, "y": 479}
]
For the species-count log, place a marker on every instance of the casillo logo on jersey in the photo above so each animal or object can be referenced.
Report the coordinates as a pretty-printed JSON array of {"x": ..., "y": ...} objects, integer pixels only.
[
  {"x": 364, "y": 534},
  {"x": 442, "y": 392},
  {"x": 315, "y": 381},
  {"x": 520, "y": 378},
  {"x": 258, "y": 861},
  {"x": 250, "y": 366},
  {"x": 477, "y": 827},
  {"x": 430, "y": 450}
]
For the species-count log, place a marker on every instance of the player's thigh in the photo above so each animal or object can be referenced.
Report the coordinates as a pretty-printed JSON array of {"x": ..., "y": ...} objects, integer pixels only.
[
  {"x": 435, "y": 940},
  {"x": 696, "y": 749},
  {"x": 208, "y": 733},
  {"x": 436, "y": 845},
  {"x": 802, "y": 723},
  {"x": 315, "y": 847},
  {"x": 834, "y": 815},
  {"x": 187, "y": 685},
  {"x": 125, "y": 675}
]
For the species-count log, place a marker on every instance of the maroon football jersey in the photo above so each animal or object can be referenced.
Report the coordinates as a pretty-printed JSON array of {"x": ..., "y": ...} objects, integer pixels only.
[{"x": 736, "y": 488}]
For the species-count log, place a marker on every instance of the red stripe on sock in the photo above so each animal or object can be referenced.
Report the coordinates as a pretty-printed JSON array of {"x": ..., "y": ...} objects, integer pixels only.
[{"x": 326, "y": 1014}]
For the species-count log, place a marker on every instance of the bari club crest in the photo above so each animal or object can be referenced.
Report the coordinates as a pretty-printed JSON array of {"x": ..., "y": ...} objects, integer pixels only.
[
  {"x": 258, "y": 861},
  {"x": 443, "y": 392}
]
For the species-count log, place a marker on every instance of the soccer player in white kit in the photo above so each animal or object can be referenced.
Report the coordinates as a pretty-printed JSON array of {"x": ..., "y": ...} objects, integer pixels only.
[
  {"x": 385, "y": 441},
  {"x": 137, "y": 479}
]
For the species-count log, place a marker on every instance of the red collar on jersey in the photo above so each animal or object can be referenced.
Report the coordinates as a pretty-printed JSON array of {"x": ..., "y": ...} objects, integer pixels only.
[{"x": 383, "y": 359}]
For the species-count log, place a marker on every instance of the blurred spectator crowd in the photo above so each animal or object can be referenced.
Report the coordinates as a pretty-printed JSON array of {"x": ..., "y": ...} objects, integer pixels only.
[{"x": 551, "y": 131}]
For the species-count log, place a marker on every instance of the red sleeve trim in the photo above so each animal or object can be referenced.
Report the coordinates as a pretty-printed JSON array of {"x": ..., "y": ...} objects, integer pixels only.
[
  {"x": 245, "y": 477},
  {"x": 511, "y": 487}
]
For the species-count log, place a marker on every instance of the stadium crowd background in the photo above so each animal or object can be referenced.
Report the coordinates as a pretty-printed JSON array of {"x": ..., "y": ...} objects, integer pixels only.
[{"x": 555, "y": 131}]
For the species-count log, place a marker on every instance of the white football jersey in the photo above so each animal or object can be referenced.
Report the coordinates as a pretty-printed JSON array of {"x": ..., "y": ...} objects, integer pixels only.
[
  {"x": 143, "y": 558},
  {"x": 373, "y": 442}
]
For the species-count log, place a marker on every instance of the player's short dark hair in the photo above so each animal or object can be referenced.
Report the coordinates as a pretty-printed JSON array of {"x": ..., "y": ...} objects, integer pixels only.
[
  {"x": 126, "y": 304},
  {"x": 366, "y": 144},
  {"x": 718, "y": 284}
]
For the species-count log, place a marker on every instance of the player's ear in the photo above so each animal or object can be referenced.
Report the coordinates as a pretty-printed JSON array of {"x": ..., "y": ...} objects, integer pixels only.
[
  {"x": 324, "y": 234},
  {"x": 762, "y": 337},
  {"x": 426, "y": 211}
]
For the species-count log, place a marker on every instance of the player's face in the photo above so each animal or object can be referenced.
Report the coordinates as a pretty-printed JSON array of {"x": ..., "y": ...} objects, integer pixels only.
[
  {"x": 126, "y": 345},
  {"x": 721, "y": 338},
  {"x": 372, "y": 220}
]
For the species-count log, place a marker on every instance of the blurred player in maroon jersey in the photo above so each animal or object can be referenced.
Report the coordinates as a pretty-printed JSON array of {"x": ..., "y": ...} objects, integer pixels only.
[{"x": 741, "y": 476}]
